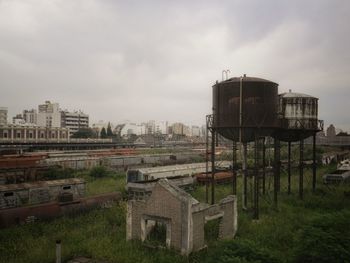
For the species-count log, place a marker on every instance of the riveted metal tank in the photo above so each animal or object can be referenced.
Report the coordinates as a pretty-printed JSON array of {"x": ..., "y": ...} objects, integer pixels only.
[
  {"x": 298, "y": 116},
  {"x": 244, "y": 106}
]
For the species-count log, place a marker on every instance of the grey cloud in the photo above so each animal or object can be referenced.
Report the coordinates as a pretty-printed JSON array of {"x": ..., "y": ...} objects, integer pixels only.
[{"x": 158, "y": 59}]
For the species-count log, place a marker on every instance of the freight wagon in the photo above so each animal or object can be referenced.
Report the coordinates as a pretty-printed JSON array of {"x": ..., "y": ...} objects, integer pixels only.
[
  {"x": 145, "y": 174},
  {"x": 26, "y": 214},
  {"x": 16, "y": 195},
  {"x": 81, "y": 161}
]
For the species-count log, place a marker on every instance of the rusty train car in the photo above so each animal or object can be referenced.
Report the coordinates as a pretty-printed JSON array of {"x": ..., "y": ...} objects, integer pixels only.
[
  {"x": 220, "y": 177},
  {"x": 47, "y": 211},
  {"x": 30, "y": 167}
]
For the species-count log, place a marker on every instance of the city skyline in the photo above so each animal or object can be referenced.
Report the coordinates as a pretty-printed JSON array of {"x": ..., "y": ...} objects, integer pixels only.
[{"x": 158, "y": 60}]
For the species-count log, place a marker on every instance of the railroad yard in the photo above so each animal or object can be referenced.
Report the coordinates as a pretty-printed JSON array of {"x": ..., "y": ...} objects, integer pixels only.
[{"x": 285, "y": 234}]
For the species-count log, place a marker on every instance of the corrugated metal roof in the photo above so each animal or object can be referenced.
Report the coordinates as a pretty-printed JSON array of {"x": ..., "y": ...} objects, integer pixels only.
[{"x": 177, "y": 167}]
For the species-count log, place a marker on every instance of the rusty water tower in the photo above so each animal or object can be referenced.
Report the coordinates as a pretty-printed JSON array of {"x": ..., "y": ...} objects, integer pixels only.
[
  {"x": 298, "y": 120},
  {"x": 244, "y": 105},
  {"x": 297, "y": 115},
  {"x": 249, "y": 109},
  {"x": 244, "y": 110}
]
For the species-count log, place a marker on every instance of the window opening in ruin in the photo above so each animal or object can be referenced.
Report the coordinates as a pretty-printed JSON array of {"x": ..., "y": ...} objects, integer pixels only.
[
  {"x": 67, "y": 187},
  {"x": 212, "y": 230},
  {"x": 156, "y": 236},
  {"x": 8, "y": 194}
]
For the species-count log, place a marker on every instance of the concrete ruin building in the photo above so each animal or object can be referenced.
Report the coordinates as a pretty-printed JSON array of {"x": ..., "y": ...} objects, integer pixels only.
[{"x": 183, "y": 217}]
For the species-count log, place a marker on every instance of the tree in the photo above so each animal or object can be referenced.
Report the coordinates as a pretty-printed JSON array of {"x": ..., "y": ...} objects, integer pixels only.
[
  {"x": 109, "y": 130},
  {"x": 103, "y": 133},
  {"x": 84, "y": 133}
]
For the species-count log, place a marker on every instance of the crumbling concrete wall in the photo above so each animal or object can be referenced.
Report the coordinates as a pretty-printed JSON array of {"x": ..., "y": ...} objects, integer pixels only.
[{"x": 183, "y": 216}]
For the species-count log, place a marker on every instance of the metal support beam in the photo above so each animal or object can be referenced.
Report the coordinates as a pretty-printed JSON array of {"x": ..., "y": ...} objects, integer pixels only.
[
  {"x": 213, "y": 166},
  {"x": 301, "y": 170},
  {"x": 256, "y": 178},
  {"x": 234, "y": 161},
  {"x": 276, "y": 175},
  {"x": 264, "y": 166},
  {"x": 314, "y": 164},
  {"x": 244, "y": 175},
  {"x": 289, "y": 168},
  {"x": 206, "y": 166}
]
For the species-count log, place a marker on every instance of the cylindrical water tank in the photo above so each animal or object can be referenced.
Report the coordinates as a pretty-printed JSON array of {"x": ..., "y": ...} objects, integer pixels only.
[
  {"x": 298, "y": 116},
  {"x": 245, "y": 106}
]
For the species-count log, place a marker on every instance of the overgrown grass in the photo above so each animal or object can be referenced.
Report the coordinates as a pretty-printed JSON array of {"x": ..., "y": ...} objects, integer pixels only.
[
  {"x": 292, "y": 232},
  {"x": 99, "y": 234},
  {"x": 113, "y": 182},
  {"x": 313, "y": 230}
]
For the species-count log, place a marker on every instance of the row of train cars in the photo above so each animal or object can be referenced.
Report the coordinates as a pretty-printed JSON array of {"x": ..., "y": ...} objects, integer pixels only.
[
  {"x": 28, "y": 200},
  {"x": 29, "y": 167}
]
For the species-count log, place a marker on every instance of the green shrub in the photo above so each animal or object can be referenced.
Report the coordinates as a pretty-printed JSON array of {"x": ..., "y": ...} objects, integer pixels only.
[
  {"x": 55, "y": 173},
  {"x": 98, "y": 172},
  {"x": 325, "y": 239},
  {"x": 230, "y": 251}
]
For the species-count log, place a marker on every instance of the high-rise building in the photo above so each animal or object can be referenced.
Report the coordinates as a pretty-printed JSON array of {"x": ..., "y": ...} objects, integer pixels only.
[
  {"x": 18, "y": 120},
  {"x": 161, "y": 127},
  {"x": 179, "y": 128},
  {"x": 49, "y": 115},
  {"x": 74, "y": 120},
  {"x": 156, "y": 127},
  {"x": 30, "y": 116},
  {"x": 3, "y": 116},
  {"x": 48, "y": 107}
]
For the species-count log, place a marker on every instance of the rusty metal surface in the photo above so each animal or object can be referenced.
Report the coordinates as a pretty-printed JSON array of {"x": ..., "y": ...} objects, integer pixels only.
[
  {"x": 39, "y": 184},
  {"x": 52, "y": 210},
  {"x": 298, "y": 117},
  {"x": 19, "y": 161},
  {"x": 259, "y": 107},
  {"x": 220, "y": 177}
]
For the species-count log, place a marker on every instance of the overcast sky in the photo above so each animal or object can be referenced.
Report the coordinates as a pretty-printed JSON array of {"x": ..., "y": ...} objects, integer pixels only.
[{"x": 143, "y": 60}]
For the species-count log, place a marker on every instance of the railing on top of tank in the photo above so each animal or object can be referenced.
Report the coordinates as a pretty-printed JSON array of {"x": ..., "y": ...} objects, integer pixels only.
[{"x": 302, "y": 124}]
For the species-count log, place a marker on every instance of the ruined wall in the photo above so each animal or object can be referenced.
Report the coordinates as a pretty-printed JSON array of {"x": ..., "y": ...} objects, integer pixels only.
[
  {"x": 184, "y": 216},
  {"x": 135, "y": 210},
  {"x": 163, "y": 203},
  {"x": 228, "y": 225},
  {"x": 198, "y": 230}
]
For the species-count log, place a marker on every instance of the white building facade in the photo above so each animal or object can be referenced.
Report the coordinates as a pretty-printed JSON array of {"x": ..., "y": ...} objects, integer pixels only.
[
  {"x": 3, "y": 116},
  {"x": 25, "y": 133},
  {"x": 74, "y": 121},
  {"x": 49, "y": 115}
]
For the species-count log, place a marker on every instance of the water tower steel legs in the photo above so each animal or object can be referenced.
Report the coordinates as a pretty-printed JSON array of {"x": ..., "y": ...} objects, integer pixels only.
[
  {"x": 206, "y": 166},
  {"x": 276, "y": 170},
  {"x": 256, "y": 179},
  {"x": 213, "y": 166},
  {"x": 244, "y": 175},
  {"x": 264, "y": 166},
  {"x": 301, "y": 170},
  {"x": 314, "y": 165},
  {"x": 289, "y": 169},
  {"x": 234, "y": 160}
]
